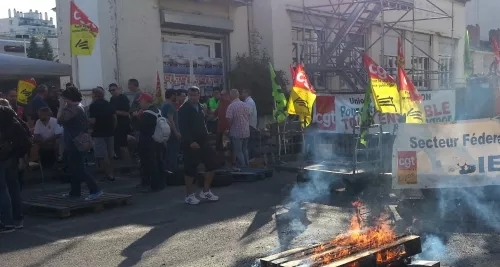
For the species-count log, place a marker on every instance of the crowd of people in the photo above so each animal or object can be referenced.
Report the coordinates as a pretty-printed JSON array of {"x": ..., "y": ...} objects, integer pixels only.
[{"x": 56, "y": 128}]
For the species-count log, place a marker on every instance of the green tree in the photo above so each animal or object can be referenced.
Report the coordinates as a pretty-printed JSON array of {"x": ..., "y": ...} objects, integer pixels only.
[
  {"x": 46, "y": 52},
  {"x": 252, "y": 71},
  {"x": 33, "y": 50}
]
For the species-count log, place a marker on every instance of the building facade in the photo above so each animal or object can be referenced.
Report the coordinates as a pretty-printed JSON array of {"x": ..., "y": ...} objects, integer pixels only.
[
  {"x": 481, "y": 49},
  {"x": 25, "y": 25},
  {"x": 196, "y": 41}
]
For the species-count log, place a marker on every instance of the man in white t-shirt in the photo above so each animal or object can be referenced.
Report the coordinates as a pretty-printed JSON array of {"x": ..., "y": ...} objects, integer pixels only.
[
  {"x": 47, "y": 133},
  {"x": 246, "y": 96}
]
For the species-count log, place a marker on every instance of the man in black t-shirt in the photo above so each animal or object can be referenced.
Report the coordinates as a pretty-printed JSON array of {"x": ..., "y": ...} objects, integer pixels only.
[
  {"x": 121, "y": 105},
  {"x": 150, "y": 152},
  {"x": 103, "y": 120}
]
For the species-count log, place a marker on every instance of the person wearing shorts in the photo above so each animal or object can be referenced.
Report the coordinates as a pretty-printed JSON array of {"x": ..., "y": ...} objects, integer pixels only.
[
  {"x": 103, "y": 120},
  {"x": 196, "y": 148}
]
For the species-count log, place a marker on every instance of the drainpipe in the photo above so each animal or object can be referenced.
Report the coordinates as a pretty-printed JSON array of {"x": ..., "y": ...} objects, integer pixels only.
[{"x": 249, "y": 13}]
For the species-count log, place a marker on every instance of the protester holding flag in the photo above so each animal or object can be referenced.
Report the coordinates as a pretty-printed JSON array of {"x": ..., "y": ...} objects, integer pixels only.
[{"x": 302, "y": 97}]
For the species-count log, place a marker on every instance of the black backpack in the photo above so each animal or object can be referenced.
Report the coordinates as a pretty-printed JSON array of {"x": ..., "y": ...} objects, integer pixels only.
[{"x": 15, "y": 140}]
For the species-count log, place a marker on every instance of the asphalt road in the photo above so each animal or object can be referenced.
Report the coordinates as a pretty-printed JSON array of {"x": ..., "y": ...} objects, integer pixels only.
[{"x": 250, "y": 221}]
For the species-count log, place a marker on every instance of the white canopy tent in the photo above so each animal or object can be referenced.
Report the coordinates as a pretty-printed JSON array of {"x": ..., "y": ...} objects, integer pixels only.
[{"x": 16, "y": 67}]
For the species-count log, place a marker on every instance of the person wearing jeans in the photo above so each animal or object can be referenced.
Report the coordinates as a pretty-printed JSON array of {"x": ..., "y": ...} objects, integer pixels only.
[
  {"x": 72, "y": 117},
  {"x": 174, "y": 142},
  {"x": 14, "y": 143},
  {"x": 246, "y": 96},
  {"x": 11, "y": 212},
  {"x": 238, "y": 115}
]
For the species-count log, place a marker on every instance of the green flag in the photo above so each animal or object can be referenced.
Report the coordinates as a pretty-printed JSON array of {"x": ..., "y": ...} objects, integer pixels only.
[
  {"x": 365, "y": 119},
  {"x": 279, "y": 113},
  {"x": 467, "y": 56}
]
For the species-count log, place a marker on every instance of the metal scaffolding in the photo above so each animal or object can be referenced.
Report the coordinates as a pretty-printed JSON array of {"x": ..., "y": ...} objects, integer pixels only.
[{"x": 335, "y": 36}]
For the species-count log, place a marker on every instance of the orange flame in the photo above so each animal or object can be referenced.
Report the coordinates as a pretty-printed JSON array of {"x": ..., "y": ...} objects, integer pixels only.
[{"x": 360, "y": 238}]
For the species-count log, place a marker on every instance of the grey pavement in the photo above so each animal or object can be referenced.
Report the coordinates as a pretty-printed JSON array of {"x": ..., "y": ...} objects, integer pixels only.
[{"x": 250, "y": 221}]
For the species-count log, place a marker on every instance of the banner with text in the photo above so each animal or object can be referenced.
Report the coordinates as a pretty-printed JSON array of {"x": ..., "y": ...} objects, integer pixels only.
[
  {"x": 462, "y": 154},
  {"x": 439, "y": 106},
  {"x": 324, "y": 112}
]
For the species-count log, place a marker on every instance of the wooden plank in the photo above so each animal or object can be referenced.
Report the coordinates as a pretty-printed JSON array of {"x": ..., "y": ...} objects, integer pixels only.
[
  {"x": 242, "y": 176},
  {"x": 43, "y": 205},
  {"x": 308, "y": 259},
  {"x": 424, "y": 264},
  {"x": 408, "y": 241},
  {"x": 63, "y": 207},
  {"x": 302, "y": 254},
  {"x": 60, "y": 201},
  {"x": 267, "y": 261}
]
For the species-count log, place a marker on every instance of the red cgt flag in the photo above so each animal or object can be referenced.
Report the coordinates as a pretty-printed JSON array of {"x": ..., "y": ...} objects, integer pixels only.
[
  {"x": 302, "y": 96},
  {"x": 402, "y": 76},
  {"x": 410, "y": 99}
]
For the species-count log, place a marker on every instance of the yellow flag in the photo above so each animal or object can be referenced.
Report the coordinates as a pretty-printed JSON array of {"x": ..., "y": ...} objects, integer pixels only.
[
  {"x": 83, "y": 32},
  {"x": 411, "y": 105},
  {"x": 411, "y": 100},
  {"x": 384, "y": 89},
  {"x": 24, "y": 90},
  {"x": 302, "y": 97}
]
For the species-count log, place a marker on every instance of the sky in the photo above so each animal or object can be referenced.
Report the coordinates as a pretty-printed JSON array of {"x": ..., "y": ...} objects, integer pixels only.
[
  {"x": 25, "y": 5},
  {"x": 479, "y": 12}
]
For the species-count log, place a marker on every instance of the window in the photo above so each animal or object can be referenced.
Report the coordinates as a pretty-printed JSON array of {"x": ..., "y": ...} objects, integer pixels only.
[
  {"x": 419, "y": 76},
  {"x": 218, "y": 50},
  {"x": 444, "y": 71},
  {"x": 391, "y": 65},
  {"x": 306, "y": 43},
  {"x": 420, "y": 72},
  {"x": 445, "y": 67}
]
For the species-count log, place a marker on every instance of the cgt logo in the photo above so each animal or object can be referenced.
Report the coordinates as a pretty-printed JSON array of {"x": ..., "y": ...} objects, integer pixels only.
[
  {"x": 407, "y": 160},
  {"x": 326, "y": 121}
]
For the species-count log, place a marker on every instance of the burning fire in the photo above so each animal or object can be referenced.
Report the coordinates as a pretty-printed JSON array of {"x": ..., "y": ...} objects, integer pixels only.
[{"x": 360, "y": 238}]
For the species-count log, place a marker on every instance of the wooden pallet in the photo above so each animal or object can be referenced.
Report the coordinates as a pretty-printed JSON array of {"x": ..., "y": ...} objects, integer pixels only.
[
  {"x": 61, "y": 207},
  {"x": 304, "y": 256},
  {"x": 266, "y": 173},
  {"x": 248, "y": 175}
]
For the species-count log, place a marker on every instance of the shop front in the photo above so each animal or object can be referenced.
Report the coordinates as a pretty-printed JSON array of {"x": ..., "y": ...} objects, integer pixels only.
[{"x": 196, "y": 50}]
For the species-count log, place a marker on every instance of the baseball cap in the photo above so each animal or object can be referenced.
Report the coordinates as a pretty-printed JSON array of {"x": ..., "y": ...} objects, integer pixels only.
[{"x": 145, "y": 96}]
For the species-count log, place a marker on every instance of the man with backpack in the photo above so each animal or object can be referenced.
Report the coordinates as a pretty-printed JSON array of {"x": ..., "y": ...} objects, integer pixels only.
[
  {"x": 15, "y": 142},
  {"x": 154, "y": 132}
]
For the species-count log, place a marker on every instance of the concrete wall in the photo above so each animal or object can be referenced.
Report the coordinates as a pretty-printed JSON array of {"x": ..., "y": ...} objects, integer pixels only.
[{"x": 139, "y": 42}]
